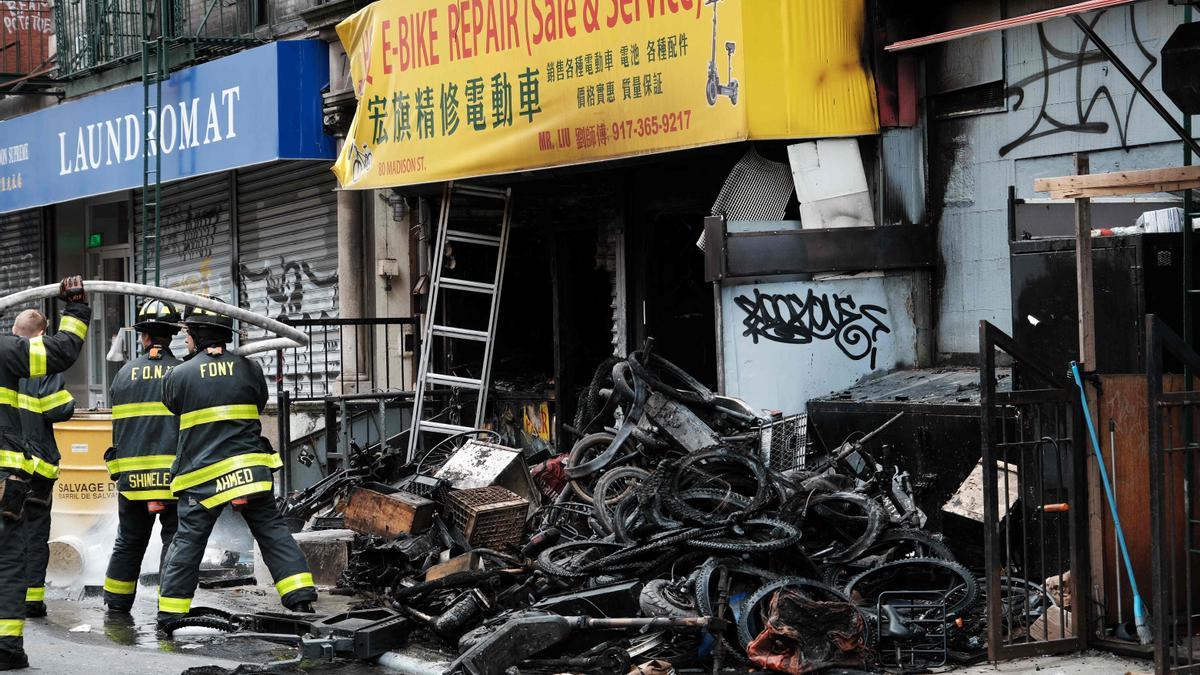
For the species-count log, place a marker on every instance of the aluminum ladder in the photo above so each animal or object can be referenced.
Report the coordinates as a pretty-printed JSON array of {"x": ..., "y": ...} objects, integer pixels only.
[{"x": 467, "y": 219}]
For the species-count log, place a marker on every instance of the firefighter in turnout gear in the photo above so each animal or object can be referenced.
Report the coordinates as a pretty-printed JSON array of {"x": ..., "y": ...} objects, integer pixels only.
[
  {"x": 223, "y": 460},
  {"x": 145, "y": 435},
  {"x": 43, "y": 401},
  {"x": 27, "y": 358}
]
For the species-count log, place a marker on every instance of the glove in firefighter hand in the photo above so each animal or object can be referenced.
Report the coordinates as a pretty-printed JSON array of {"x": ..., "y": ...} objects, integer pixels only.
[{"x": 71, "y": 289}]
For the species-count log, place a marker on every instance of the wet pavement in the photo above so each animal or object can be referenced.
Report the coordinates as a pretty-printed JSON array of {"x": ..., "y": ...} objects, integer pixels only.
[{"x": 134, "y": 647}]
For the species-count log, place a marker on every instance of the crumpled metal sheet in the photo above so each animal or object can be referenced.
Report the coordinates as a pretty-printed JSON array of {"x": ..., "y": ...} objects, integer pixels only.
[{"x": 806, "y": 636}]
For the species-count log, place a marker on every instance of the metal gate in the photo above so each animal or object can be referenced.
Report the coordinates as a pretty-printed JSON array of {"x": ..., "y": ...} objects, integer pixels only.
[
  {"x": 1173, "y": 514},
  {"x": 1035, "y": 506}
]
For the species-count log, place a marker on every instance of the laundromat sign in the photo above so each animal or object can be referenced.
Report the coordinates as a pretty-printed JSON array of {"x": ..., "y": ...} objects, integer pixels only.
[
  {"x": 460, "y": 88},
  {"x": 256, "y": 106}
]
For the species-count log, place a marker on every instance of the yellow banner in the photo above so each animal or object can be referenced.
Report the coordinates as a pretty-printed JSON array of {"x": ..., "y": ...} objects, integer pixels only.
[{"x": 452, "y": 89}]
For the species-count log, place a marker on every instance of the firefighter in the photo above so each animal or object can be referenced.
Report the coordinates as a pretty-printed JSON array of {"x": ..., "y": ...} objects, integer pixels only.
[
  {"x": 43, "y": 401},
  {"x": 145, "y": 435},
  {"x": 222, "y": 459},
  {"x": 27, "y": 357}
]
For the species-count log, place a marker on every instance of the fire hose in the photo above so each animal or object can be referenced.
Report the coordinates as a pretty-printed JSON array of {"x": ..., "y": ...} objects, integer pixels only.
[{"x": 288, "y": 338}]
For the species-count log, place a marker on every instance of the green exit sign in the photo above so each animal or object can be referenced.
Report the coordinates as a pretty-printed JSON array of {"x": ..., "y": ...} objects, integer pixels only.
[{"x": 95, "y": 241}]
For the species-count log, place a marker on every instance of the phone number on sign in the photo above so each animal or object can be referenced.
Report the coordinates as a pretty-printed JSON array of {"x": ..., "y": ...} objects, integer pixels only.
[
  {"x": 600, "y": 135},
  {"x": 653, "y": 125}
]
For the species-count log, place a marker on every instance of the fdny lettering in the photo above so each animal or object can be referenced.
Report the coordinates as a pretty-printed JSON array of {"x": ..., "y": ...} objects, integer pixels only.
[
  {"x": 234, "y": 479},
  {"x": 216, "y": 369},
  {"x": 149, "y": 372},
  {"x": 153, "y": 479}
]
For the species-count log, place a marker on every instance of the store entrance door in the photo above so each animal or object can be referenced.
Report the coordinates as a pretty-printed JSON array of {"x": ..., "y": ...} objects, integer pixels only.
[{"x": 110, "y": 312}]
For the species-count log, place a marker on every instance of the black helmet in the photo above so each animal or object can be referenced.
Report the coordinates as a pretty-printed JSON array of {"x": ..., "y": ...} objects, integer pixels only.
[
  {"x": 157, "y": 317},
  {"x": 198, "y": 316}
]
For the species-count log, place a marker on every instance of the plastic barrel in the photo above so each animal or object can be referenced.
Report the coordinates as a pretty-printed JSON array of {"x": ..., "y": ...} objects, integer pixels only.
[{"x": 84, "y": 497}]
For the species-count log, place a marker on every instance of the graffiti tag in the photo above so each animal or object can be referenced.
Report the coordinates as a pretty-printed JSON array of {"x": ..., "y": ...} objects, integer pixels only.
[
  {"x": 796, "y": 320},
  {"x": 285, "y": 285},
  {"x": 193, "y": 231},
  {"x": 1084, "y": 117}
]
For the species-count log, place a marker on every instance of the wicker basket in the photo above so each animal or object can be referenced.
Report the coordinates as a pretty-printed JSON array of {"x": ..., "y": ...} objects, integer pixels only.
[{"x": 489, "y": 517}]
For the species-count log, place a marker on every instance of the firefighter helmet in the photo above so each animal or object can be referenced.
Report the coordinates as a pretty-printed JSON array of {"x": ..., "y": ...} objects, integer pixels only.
[
  {"x": 157, "y": 316},
  {"x": 198, "y": 316}
]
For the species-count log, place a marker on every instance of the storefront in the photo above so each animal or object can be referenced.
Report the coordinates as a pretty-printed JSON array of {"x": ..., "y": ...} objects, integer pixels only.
[
  {"x": 616, "y": 124},
  {"x": 246, "y": 206}
]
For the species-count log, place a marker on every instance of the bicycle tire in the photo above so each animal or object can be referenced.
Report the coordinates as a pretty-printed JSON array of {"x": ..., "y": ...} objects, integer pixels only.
[
  {"x": 577, "y": 457},
  {"x": 872, "y": 513},
  {"x": 671, "y": 489},
  {"x": 968, "y": 581},
  {"x": 601, "y": 505},
  {"x": 202, "y": 621},
  {"x": 702, "y": 588},
  {"x": 934, "y": 547},
  {"x": 747, "y": 630},
  {"x": 739, "y": 544},
  {"x": 546, "y": 563}
]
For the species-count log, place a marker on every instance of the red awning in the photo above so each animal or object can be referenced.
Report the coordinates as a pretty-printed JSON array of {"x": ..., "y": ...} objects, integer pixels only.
[{"x": 1028, "y": 19}]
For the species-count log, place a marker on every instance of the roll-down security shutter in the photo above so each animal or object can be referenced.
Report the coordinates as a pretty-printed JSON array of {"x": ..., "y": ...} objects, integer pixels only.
[
  {"x": 287, "y": 267},
  {"x": 195, "y": 239},
  {"x": 20, "y": 256}
]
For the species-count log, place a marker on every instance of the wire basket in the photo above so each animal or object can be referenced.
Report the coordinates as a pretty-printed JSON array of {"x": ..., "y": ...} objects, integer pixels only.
[
  {"x": 488, "y": 517},
  {"x": 784, "y": 442}
]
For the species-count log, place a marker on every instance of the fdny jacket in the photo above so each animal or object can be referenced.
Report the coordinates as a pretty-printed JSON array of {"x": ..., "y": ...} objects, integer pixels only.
[
  {"x": 219, "y": 397},
  {"x": 145, "y": 433},
  {"x": 44, "y": 401},
  {"x": 34, "y": 358}
]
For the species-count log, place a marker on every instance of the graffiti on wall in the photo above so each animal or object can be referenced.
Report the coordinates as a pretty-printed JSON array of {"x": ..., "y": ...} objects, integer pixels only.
[
  {"x": 800, "y": 320},
  {"x": 1095, "y": 109},
  {"x": 192, "y": 231},
  {"x": 286, "y": 284}
]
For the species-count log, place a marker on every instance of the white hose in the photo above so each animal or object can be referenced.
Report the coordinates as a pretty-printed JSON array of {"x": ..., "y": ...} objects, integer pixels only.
[{"x": 289, "y": 336}]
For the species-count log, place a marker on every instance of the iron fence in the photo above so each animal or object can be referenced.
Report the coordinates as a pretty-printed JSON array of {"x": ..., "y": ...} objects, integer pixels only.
[
  {"x": 1035, "y": 508},
  {"x": 26, "y": 29},
  {"x": 1174, "y": 401},
  {"x": 359, "y": 371}
]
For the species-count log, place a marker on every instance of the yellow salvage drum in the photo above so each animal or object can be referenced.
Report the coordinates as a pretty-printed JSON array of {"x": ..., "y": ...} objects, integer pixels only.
[{"x": 84, "y": 495}]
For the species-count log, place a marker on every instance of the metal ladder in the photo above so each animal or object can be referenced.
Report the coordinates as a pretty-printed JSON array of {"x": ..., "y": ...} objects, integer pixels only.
[
  {"x": 154, "y": 72},
  {"x": 484, "y": 233}
]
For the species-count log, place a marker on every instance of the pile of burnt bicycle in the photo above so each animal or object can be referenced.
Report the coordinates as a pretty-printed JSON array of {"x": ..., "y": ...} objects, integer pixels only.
[{"x": 673, "y": 536}]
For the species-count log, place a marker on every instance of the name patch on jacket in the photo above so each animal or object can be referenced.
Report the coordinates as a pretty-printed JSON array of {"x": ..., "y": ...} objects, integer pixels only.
[
  {"x": 157, "y": 372},
  {"x": 234, "y": 479},
  {"x": 149, "y": 479},
  {"x": 216, "y": 369}
]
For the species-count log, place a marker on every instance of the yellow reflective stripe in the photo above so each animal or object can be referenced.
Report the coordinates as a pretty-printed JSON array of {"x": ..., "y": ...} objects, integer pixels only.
[
  {"x": 36, "y": 465},
  {"x": 74, "y": 326},
  {"x": 220, "y": 413},
  {"x": 13, "y": 460},
  {"x": 193, "y": 478},
  {"x": 37, "y": 357},
  {"x": 120, "y": 587},
  {"x": 8, "y": 396},
  {"x": 45, "y": 403},
  {"x": 293, "y": 583},
  {"x": 174, "y": 605},
  {"x": 35, "y": 594},
  {"x": 234, "y": 493},
  {"x": 12, "y": 627},
  {"x": 148, "y": 409},
  {"x": 148, "y": 495},
  {"x": 144, "y": 463}
]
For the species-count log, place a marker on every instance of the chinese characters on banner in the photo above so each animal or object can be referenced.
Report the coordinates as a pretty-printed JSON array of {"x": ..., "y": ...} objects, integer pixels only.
[{"x": 459, "y": 88}]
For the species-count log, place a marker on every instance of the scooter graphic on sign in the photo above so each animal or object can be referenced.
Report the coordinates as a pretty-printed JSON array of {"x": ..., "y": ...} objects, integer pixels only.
[{"x": 715, "y": 89}]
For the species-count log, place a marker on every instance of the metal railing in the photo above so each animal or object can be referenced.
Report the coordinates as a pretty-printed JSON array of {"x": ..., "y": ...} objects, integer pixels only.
[
  {"x": 1174, "y": 407},
  {"x": 360, "y": 372},
  {"x": 93, "y": 34},
  {"x": 26, "y": 30},
  {"x": 1035, "y": 508}
]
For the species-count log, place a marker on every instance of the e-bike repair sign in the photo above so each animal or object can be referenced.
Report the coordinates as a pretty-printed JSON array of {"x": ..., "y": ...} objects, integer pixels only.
[{"x": 461, "y": 88}]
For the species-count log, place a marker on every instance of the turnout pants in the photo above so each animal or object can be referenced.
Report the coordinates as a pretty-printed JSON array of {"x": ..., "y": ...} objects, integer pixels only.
[
  {"x": 37, "y": 533},
  {"x": 181, "y": 571},
  {"x": 12, "y": 585},
  {"x": 135, "y": 525}
]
